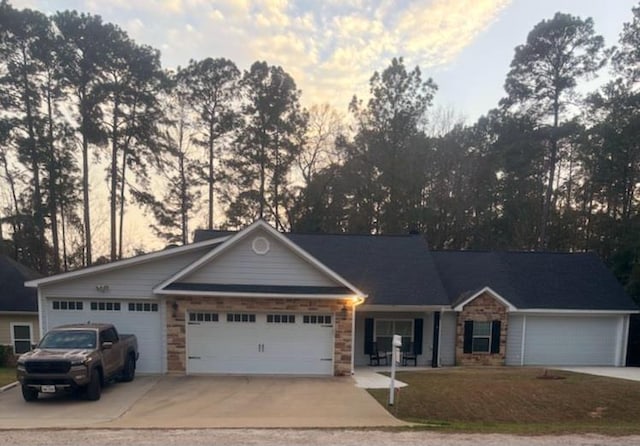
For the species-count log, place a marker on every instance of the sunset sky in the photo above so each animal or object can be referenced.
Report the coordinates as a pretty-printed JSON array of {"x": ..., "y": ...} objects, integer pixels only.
[{"x": 332, "y": 47}]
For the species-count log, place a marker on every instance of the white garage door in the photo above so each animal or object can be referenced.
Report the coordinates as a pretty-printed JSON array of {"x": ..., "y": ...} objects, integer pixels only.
[
  {"x": 142, "y": 318},
  {"x": 254, "y": 343},
  {"x": 571, "y": 340}
]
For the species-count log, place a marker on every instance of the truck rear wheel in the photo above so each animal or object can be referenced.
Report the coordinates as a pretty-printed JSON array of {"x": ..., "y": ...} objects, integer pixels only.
[
  {"x": 129, "y": 370},
  {"x": 29, "y": 393},
  {"x": 95, "y": 386}
]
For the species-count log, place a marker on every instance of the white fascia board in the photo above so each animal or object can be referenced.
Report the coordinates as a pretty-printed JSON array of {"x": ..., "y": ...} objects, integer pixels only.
[
  {"x": 252, "y": 295},
  {"x": 241, "y": 235},
  {"x": 401, "y": 308},
  {"x": 566, "y": 312},
  {"x": 498, "y": 297},
  {"x": 122, "y": 263}
]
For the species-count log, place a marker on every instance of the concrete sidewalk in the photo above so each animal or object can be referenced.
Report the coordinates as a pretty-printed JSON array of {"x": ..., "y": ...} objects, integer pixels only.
[{"x": 630, "y": 373}]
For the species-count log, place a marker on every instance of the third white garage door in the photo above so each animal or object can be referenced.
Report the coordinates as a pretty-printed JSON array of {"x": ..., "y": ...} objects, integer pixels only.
[
  {"x": 257, "y": 343},
  {"x": 572, "y": 341}
]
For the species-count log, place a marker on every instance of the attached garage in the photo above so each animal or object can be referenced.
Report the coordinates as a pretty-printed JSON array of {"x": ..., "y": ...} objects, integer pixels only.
[
  {"x": 260, "y": 343},
  {"x": 566, "y": 340},
  {"x": 144, "y": 318}
]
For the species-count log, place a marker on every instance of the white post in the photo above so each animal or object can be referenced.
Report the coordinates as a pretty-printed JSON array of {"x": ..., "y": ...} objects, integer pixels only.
[{"x": 395, "y": 354}]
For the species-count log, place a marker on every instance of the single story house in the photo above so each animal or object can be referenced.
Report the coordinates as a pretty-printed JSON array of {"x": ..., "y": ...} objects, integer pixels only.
[
  {"x": 259, "y": 301},
  {"x": 18, "y": 306}
]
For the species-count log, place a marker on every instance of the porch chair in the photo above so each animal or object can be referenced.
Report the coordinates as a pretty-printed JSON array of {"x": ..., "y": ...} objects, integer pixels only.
[
  {"x": 409, "y": 354},
  {"x": 376, "y": 355}
]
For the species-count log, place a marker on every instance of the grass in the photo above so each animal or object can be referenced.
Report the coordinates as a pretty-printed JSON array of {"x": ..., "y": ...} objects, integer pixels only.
[
  {"x": 508, "y": 400},
  {"x": 7, "y": 375}
]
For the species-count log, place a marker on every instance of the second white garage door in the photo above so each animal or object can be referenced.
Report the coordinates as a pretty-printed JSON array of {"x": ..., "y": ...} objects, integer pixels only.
[
  {"x": 571, "y": 341},
  {"x": 256, "y": 343}
]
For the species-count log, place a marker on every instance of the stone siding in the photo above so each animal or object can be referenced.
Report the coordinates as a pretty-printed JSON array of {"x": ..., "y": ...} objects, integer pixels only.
[
  {"x": 179, "y": 306},
  {"x": 484, "y": 308}
]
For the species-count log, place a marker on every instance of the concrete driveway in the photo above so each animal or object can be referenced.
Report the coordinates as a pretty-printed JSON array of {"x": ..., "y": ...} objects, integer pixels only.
[
  {"x": 70, "y": 411},
  {"x": 630, "y": 373},
  {"x": 205, "y": 402}
]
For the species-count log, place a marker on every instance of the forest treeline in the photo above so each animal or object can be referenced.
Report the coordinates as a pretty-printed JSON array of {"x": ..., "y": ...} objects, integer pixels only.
[{"x": 551, "y": 167}]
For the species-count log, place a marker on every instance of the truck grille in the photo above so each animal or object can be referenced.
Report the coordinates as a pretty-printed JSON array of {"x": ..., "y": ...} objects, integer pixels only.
[{"x": 48, "y": 366}]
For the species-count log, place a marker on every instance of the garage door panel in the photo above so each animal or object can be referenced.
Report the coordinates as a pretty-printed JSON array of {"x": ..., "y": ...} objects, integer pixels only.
[
  {"x": 146, "y": 325},
  {"x": 587, "y": 341},
  {"x": 260, "y": 347}
]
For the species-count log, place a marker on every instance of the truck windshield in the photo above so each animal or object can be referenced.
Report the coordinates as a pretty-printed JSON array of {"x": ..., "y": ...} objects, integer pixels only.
[{"x": 72, "y": 339}]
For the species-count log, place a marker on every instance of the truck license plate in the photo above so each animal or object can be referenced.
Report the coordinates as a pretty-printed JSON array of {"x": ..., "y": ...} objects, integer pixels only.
[{"x": 48, "y": 389}]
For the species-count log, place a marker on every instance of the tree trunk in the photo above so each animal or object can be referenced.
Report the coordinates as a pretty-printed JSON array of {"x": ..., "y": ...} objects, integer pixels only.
[
  {"x": 65, "y": 259},
  {"x": 38, "y": 213},
  {"x": 122, "y": 190},
  {"x": 184, "y": 205},
  {"x": 53, "y": 184},
  {"x": 114, "y": 178},
  {"x": 553, "y": 158},
  {"x": 85, "y": 174}
]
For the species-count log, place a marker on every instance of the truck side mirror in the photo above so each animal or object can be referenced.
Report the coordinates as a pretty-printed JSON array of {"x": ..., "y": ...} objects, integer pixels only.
[{"x": 106, "y": 345}]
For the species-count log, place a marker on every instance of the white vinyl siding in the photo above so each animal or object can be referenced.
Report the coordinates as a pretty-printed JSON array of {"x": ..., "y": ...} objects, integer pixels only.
[
  {"x": 514, "y": 340},
  {"x": 448, "y": 323},
  {"x": 572, "y": 340},
  {"x": 134, "y": 280},
  {"x": 241, "y": 265},
  {"x": 148, "y": 326}
]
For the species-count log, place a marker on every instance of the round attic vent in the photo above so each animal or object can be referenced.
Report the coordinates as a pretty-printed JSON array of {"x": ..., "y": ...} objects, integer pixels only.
[{"x": 260, "y": 245}]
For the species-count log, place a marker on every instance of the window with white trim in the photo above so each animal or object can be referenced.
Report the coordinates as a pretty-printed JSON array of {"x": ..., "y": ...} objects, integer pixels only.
[
  {"x": 386, "y": 328},
  {"x": 20, "y": 337},
  {"x": 105, "y": 306},
  {"x": 241, "y": 317},
  {"x": 281, "y": 319},
  {"x": 323, "y": 319},
  {"x": 481, "y": 337},
  {"x": 67, "y": 305},
  {"x": 203, "y": 317},
  {"x": 143, "y": 306}
]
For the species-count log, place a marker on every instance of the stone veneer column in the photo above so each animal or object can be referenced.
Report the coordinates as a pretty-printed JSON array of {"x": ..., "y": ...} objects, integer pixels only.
[
  {"x": 483, "y": 308},
  {"x": 176, "y": 335}
]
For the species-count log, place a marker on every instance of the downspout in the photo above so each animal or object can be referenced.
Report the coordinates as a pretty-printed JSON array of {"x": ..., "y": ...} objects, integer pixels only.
[
  {"x": 625, "y": 341},
  {"x": 41, "y": 310}
]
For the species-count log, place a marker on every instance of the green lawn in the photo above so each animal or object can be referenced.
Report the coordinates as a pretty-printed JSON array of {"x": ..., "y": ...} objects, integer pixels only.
[
  {"x": 7, "y": 375},
  {"x": 516, "y": 401}
]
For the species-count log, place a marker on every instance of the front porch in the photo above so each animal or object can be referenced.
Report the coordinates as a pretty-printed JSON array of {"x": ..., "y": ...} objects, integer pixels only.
[{"x": 430, "y": 331}]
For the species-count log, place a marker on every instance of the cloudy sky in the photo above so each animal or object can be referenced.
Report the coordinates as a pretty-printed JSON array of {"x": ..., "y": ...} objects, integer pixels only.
[{"x": 332, "y": 47}]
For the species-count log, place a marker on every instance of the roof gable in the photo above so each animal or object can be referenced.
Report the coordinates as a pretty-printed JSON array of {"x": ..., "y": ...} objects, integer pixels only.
[
  {"x": 258, "y": 261},
  {"x": 470, "y": 297}
]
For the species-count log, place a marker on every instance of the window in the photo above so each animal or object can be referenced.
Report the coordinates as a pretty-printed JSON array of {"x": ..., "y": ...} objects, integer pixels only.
[
  {"x": 67, "y": 305},
  {"x": 481, "y": 337},
  {"x": 105, "y": 306},
  {"x": 281, "y": 319},
  {"x": 109, "y": 335},
  {"x": 316, "y": 319},
  {"x": 21, "y": 337},
  {"x": 241, "y": 317},
  {"x": 203, "y": 317},
  {"x": 386, "y": 328},
  {"x": 140, "y": 306}
]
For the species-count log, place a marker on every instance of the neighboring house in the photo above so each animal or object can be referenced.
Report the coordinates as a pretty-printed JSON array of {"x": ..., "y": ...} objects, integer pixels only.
[
  {"x": 258, "y": 301},
  {"x": 18, "y": 306}
]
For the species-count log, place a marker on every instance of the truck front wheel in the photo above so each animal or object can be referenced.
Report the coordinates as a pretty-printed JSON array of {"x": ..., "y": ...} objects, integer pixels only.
[
  {"x": 95, "y": 386},
  {"x": 29, "y": 393}
]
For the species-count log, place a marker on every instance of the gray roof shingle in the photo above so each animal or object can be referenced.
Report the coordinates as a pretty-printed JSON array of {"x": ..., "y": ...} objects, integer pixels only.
[
  {"x": 534, "y": 280},
  {"x": 14, "y": 296}
]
